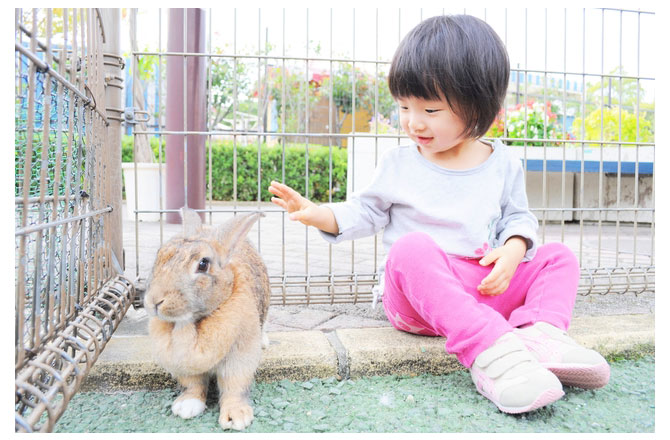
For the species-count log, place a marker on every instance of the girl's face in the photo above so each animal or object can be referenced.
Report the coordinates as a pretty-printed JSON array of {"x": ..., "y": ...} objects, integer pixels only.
[{"x": 431, "y": 124}]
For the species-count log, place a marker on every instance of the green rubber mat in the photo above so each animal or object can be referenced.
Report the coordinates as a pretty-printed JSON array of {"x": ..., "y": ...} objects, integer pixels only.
[{"x": 383, "y": 404}]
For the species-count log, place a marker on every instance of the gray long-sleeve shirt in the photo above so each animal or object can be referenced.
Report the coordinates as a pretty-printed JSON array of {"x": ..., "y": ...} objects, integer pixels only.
[{"x": 467, "y": 212}]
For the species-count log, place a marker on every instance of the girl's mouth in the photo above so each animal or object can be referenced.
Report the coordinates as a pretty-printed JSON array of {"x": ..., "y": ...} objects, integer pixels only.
[{"x": 423, "y": 140}]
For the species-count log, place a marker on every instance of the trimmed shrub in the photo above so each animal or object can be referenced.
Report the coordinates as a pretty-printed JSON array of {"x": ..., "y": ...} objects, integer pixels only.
[{"x": 295, "y": 156}]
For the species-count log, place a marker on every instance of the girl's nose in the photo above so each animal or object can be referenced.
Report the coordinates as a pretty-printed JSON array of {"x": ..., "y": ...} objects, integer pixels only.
[{"x": 416, "y": 124}]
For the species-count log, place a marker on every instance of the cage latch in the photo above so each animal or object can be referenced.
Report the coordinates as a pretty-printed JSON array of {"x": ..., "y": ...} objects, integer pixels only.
[{"x": 130, "y": 115}]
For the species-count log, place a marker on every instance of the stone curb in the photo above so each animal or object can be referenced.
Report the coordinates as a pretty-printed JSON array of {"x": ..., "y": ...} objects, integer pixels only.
[{"x": 352, "y": 353}]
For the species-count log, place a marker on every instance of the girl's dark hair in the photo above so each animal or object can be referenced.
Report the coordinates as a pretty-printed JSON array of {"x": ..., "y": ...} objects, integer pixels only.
[{"x": 459, "y": 58}]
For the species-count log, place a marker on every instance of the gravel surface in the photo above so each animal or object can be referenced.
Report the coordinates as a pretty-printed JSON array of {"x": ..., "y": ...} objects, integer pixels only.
[{"x": 384, "y": 404}]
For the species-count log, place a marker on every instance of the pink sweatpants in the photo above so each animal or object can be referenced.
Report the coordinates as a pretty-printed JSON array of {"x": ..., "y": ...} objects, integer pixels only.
[{"x": 428, "y": 292}]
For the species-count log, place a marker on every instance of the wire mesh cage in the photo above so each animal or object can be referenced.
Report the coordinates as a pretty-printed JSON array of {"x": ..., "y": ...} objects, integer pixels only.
[{"x": 70, "y": 296}]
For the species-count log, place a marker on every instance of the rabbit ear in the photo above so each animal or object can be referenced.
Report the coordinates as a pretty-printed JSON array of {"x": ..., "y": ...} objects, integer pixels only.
[
  {"x": 190, "y": 220},
  {"x": 232, "y": 233}
]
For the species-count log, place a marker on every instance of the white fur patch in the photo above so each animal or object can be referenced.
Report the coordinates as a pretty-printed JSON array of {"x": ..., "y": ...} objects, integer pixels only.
[
  {"x": 183, "y": 321},
  {"x": 188, "y": 408},
  {"x": 265, "y": 341}
]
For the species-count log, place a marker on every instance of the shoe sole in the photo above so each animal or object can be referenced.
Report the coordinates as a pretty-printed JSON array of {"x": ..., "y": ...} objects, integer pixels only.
[
  {"x": 548, "y": 397},
  {"x": 588, "y": 377}
]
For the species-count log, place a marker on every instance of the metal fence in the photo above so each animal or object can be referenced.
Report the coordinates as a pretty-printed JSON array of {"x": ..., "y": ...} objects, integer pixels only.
[
  {"x": 594, "y": 193},
  {"x": 70, "y": 294}
]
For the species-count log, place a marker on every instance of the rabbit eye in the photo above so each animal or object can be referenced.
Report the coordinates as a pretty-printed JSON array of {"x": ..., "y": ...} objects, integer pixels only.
[{"x": 203, "y": 265}]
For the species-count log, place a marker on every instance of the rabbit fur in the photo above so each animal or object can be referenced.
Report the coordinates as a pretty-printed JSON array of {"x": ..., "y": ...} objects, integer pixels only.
[{"x": 207, "y": 300}]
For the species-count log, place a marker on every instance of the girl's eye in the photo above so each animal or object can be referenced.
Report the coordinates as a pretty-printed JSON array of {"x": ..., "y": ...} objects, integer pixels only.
[
  {"x": 431, "y": 110},
  {"x": 203, "y": 265}
]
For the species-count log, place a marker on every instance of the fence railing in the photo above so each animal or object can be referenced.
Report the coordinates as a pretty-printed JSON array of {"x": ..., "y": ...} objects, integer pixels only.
[
  {"x": 70, "y": 294},
  {"x": 598, "y": 202}
]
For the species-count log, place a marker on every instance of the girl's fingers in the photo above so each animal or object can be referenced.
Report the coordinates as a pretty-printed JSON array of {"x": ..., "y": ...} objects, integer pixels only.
[
  {"x": 283, "y": 191},
  {"x": 491, "y": 257},
  {"x": 277, "y": 190},
  {"x": 496, "y": 288},
  {"x": 293, "y": 193},
  {"x": 490, "y": 291},
  {"x": 280, "y": 186},
  {"x": 495, "y": 283},
  {"x": 279, "y": 202},
  {"x": 493, "y": 277},
  {"x": 276, "y": 186}
]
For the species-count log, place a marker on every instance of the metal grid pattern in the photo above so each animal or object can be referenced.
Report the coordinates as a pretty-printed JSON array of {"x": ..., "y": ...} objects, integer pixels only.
[
  {"x": 69, "y": 296},
  {"x": 314, "y": 278}
]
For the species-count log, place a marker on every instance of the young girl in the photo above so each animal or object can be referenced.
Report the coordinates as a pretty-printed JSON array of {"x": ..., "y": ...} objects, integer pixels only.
[{"x": 463, "y": 259}]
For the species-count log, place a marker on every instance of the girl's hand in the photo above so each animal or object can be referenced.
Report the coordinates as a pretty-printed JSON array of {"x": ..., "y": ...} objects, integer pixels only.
[
  {"x": 296, "y": 205},
  {"x": 301, "y": 209},
  {"x": 506, "y": 259}
]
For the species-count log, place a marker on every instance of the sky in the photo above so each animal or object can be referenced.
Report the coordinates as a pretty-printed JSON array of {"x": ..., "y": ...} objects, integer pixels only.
[{"x": 573, "y": 40}]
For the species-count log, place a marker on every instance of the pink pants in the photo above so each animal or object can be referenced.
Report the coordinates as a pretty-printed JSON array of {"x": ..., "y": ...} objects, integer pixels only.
[{"x": 428, "y": 292}]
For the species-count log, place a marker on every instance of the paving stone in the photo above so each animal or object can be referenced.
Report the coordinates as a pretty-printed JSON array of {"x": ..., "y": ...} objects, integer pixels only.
[
  {"x": 126, "y": 363},
  {"x": 383, "y": 351},
  {"x": 304, "y": 318},
  {"x": 275, "y": 327},
  {"x": 297, "y": 356},
  {"x": 351, "y": 321}
]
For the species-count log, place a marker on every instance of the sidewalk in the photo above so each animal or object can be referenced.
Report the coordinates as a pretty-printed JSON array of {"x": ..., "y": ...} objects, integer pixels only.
[
  {"x": 348, "y": 352},
  {"x": 354, "y": 340}
]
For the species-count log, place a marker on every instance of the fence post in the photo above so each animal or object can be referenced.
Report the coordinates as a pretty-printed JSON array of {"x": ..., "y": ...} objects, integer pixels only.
[
  {"x": 111, "y": 20},
  {"x": 185, "y": 110}
]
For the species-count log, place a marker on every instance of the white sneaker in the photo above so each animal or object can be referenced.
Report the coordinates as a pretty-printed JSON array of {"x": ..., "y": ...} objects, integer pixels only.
[
  {"x": 509, "y": 376},
  {"x": 573, "y": 364}
]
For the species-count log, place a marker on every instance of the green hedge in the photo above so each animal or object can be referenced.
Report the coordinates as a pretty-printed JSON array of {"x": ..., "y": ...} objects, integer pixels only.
[
  {"x": 127, "y": 148},
  {"x": 271, "y": 169}
]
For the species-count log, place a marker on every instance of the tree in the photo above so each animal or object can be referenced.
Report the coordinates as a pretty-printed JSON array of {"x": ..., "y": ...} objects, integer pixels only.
[
  {"x": 144, "y": 72},
  {"x": 615, "y": 91},
  {"x": 286, "y": 87},
  {"x": 228, "y": 80},
  {"x": 343, "y": 79},
  {"x": 610, "y": 126},
  {"x": 295, "y": 92}
]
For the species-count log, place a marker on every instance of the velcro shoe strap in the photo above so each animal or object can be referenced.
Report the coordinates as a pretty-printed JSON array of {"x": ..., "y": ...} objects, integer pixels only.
[
  {"x": 510, "y": 344},
  {"x": 500, "y": 366}
]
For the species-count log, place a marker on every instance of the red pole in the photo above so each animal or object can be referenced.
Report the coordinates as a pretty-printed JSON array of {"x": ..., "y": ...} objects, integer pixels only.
[{"x": 196, "y": 100}]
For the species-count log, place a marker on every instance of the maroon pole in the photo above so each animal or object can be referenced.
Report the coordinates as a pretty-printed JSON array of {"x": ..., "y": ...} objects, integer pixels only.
[{"x": 196, "y": 100}]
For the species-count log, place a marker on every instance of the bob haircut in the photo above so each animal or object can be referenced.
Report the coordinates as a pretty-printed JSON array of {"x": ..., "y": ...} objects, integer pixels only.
[{"x": 457, "y": 58}]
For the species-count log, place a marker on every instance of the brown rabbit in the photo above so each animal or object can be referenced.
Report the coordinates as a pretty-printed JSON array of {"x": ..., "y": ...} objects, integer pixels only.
[{"x": 207, "y": 300}]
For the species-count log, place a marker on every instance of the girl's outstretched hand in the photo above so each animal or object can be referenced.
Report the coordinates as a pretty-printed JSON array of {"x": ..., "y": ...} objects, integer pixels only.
[
  {"x": 296, "y": 205},
  {"x": 301, "y": 209},
  {"x": 506, "y": 259}
]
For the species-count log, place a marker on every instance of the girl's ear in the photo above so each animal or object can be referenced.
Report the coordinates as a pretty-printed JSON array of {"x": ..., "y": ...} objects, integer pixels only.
[
  {"x": 233, "y": 232},
  {"x": 191, "y": 221}
]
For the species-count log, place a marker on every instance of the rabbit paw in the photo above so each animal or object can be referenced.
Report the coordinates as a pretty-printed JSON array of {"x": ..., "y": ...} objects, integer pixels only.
[
  {"x": 236, "y": 416},
  {"x": 188, "y": 408}
]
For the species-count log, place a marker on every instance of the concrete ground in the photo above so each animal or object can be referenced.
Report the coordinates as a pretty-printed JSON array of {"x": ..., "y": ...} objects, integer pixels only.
[
  {"x": 290, "y": 248},
  {"x": 354, "y": 340}
]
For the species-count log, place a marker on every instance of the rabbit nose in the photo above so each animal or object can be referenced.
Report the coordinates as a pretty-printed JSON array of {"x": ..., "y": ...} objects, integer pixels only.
[{"x": 158, "y": 304}]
